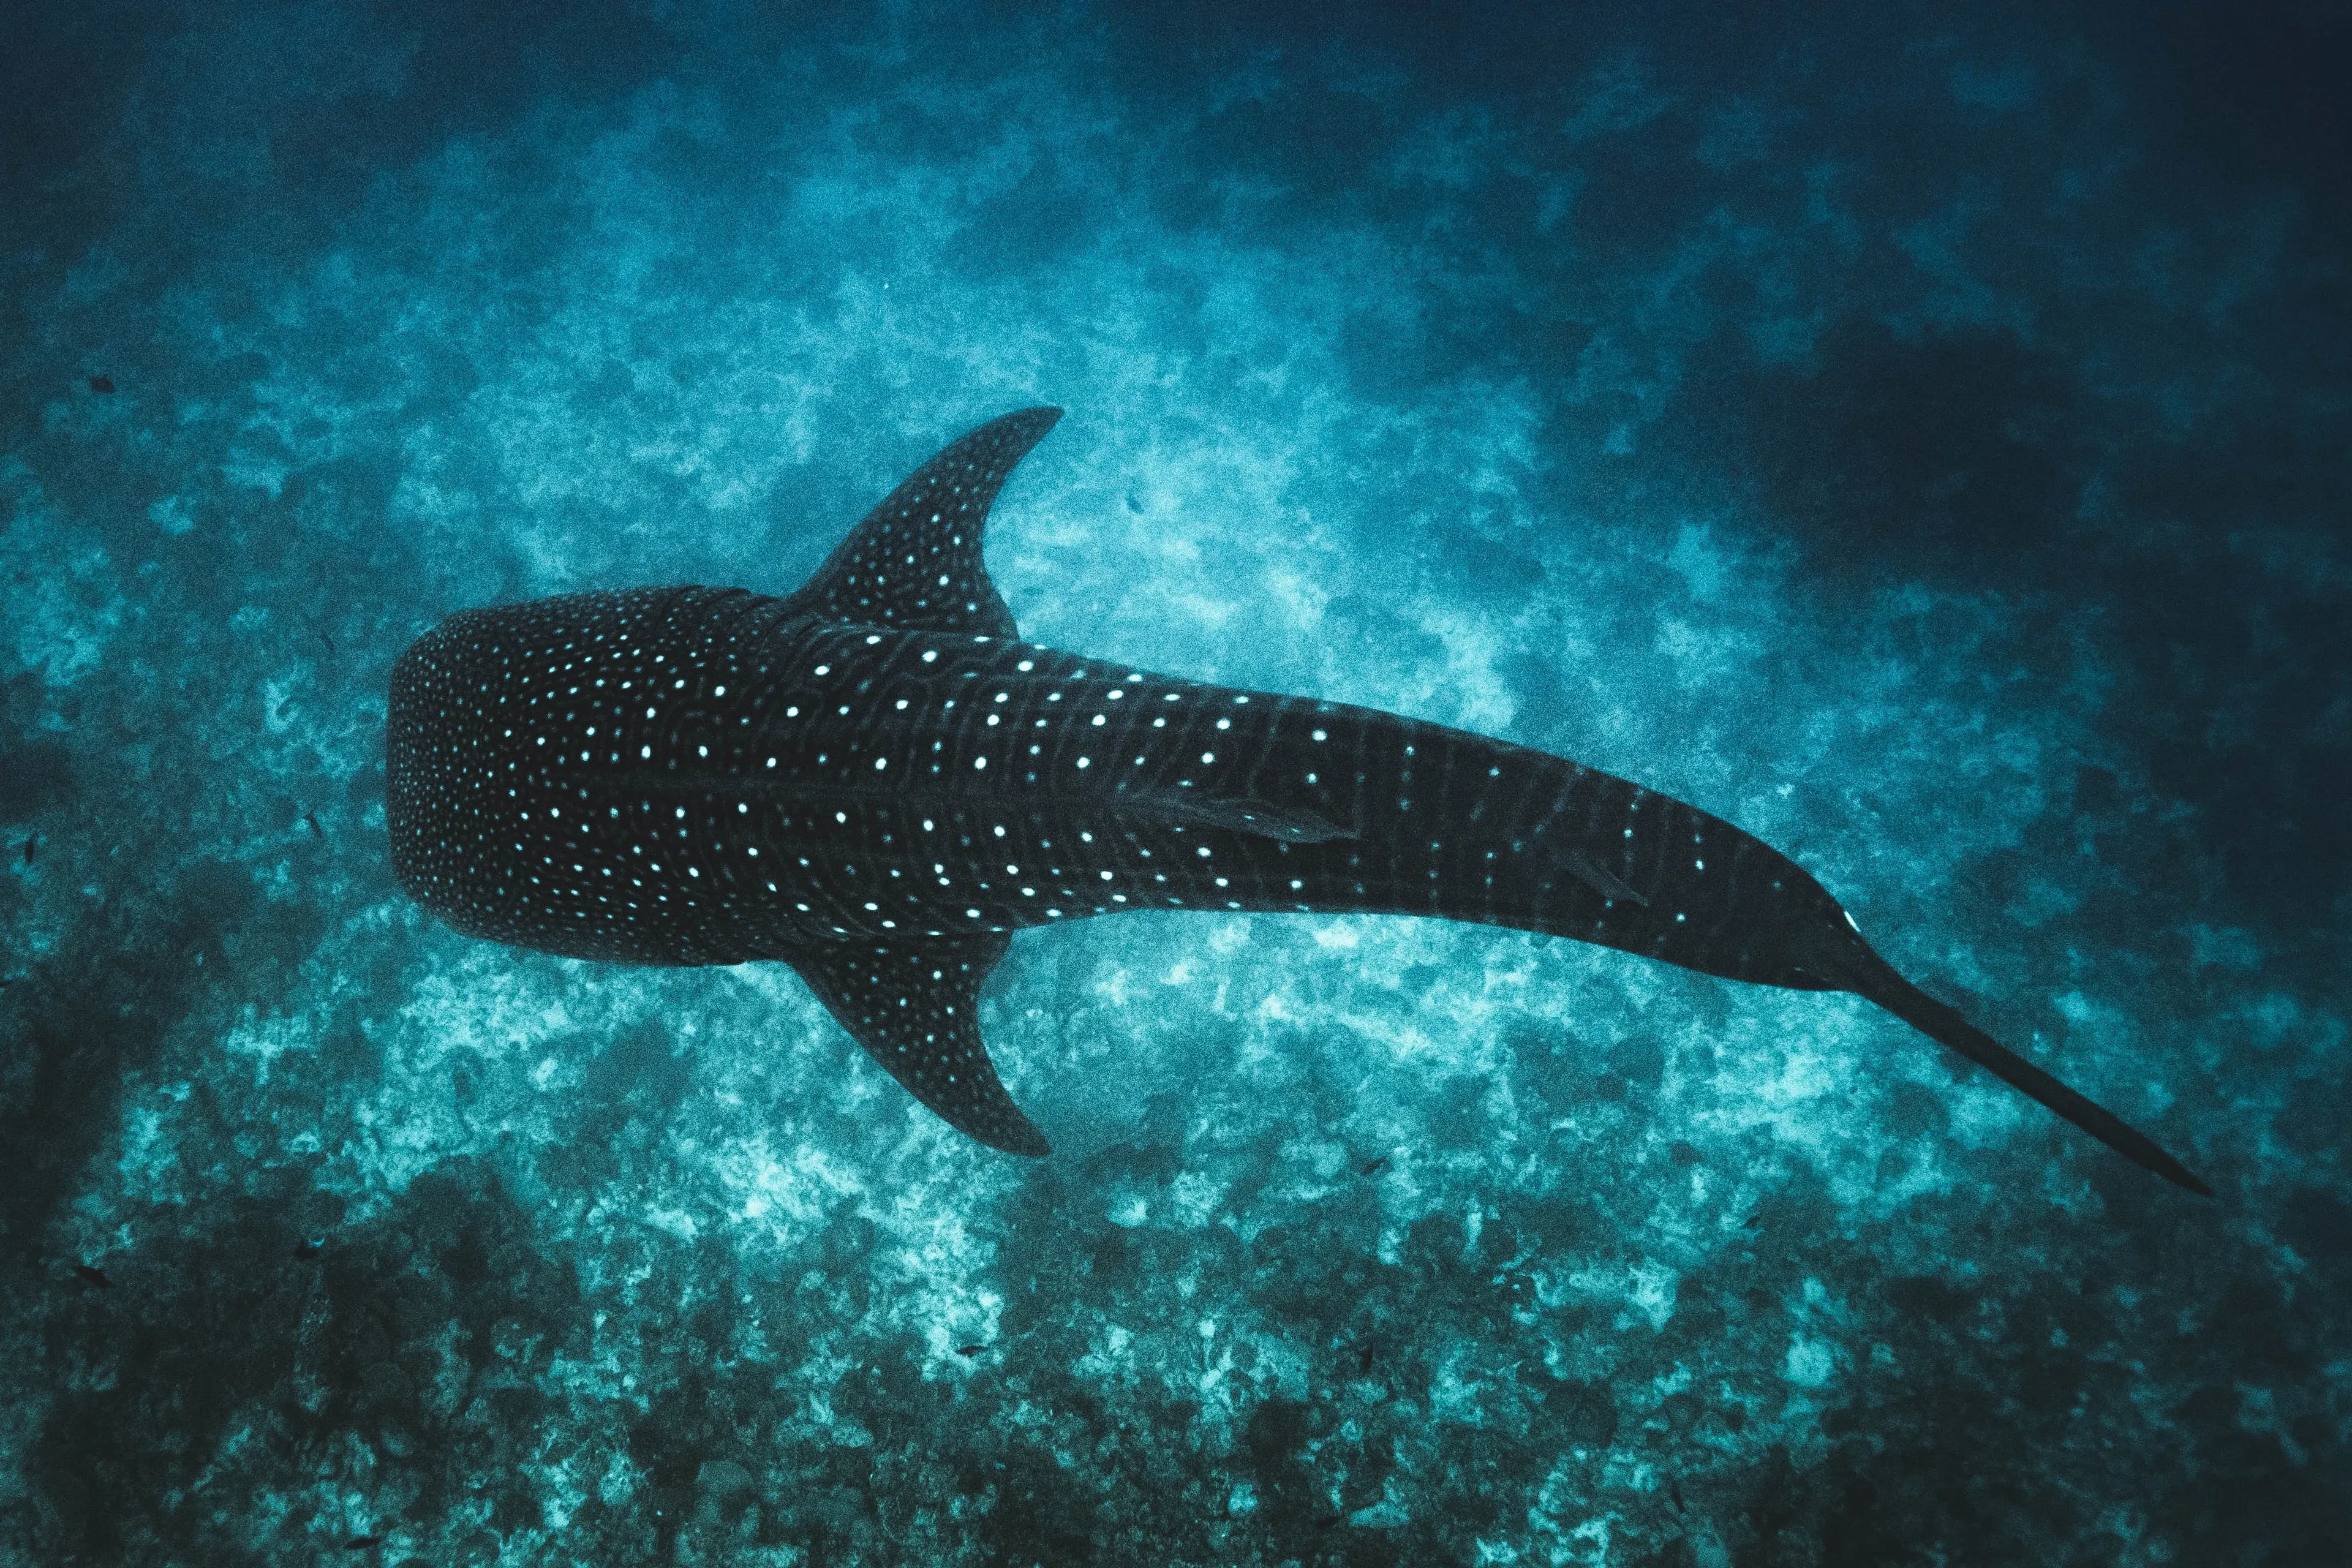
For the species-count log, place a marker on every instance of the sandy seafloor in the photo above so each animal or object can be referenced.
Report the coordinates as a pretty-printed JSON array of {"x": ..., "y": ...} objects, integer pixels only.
[{"x": 1918, "y": 434}]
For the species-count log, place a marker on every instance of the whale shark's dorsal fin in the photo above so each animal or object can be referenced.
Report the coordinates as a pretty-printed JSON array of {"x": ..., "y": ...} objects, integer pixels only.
[
  {"x": 914, "y": 560},
  {"x": 914, "y": 1006}
]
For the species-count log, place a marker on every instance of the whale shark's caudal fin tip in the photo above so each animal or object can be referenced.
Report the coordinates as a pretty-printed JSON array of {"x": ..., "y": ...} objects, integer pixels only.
[{"x": 1947, "y": 1028}]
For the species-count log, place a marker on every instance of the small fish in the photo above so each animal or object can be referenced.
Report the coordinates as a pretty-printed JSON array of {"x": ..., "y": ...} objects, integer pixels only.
[
  {"x": 1587, "y": 870},
  {"x": 1755, "y": 1221},
  {"x": 1377, "y": 1166},
  {"x": 313, "y": 822},
  {"x": 31, "y": 844},
  {"x": 307, "y": 1251},
  {"x": 1675, "y": 1490},
  {"x": 101, "y": 385},
  {"x": 1364, "y": 1360},
  {"x": 969, "y": 1350},
  {"x": 327, "y": 640},
  {"x": 362, "y": 1542},
  {"x": 89, "y": 1275}
]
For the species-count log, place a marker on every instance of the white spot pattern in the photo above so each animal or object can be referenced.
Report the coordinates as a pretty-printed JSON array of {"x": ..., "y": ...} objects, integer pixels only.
[{"x": 690, "y": 775}]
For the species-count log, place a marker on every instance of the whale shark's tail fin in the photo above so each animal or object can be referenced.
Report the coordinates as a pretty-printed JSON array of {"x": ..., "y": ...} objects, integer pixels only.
[{"x": 1880, "y": 983}]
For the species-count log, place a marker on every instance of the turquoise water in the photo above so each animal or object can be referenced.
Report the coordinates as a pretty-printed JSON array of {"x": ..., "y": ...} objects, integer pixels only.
[{"x": 1918, "y": 439}]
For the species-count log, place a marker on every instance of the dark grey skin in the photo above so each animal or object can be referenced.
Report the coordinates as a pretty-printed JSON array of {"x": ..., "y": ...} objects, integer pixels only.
[{"x": 877, "y": 782}]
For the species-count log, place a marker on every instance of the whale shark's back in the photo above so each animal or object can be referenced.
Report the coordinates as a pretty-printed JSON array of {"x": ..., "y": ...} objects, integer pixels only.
[
  {"x": 469, "y": 706},
  {"x": 505, "y": 731}
]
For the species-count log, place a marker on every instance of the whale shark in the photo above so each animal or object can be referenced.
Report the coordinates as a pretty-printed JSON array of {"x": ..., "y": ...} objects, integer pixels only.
[{"x": 877, "y": 780}]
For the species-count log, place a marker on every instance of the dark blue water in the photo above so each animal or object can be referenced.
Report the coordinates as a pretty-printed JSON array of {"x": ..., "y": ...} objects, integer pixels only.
[{"x": 1919, "y": 435}]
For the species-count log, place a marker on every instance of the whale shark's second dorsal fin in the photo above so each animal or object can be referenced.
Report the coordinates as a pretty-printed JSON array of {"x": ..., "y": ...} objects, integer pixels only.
[{"x": 914, "y": 560}]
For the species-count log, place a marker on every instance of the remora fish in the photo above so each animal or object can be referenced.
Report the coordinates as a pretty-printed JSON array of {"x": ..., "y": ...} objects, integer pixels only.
[{"x": 877, "y": 782}]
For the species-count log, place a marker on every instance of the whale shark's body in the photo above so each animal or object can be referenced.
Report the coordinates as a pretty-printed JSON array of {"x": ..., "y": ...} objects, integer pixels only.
[{"x": 877, "y": 782}]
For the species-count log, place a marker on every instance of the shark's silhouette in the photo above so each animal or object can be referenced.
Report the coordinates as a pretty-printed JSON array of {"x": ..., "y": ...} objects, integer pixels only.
[{"x": 877, "y": 782}]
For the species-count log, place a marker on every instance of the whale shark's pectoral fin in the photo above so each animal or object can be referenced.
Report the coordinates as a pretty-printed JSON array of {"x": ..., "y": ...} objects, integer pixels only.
[
  {"x": 914, "y": 560},
  {"x": 916, "y": 1008}
]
